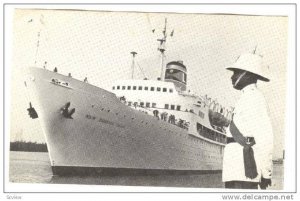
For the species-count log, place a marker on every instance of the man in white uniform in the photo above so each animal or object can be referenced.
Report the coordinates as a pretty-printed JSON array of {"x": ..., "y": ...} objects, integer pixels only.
[{"x": 247, "y": 161}]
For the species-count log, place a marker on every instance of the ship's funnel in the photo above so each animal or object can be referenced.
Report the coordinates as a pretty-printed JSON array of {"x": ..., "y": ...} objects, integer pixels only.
[{"x": 176, "y": 73}]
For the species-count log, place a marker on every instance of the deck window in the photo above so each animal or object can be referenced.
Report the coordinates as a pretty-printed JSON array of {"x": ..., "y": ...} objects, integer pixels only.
[
  {"x": 158, "y": 88},
  {"x": 147, "y": 104},
  {"x": 178, "y": 107},
  {"x": 113, "y": 87},
  {"x": 201, "y": 114},
  {"x": 129, "y": 87},
  {"x": 118, "y": 87},
  {"x": 164, "y": 89},
  {"x": 166, "y": 106},
  {"x": 152, "y": 88},
  {"x": 123, "y": 87},
  {"x": 172, "y": 107},
  {"x": 154, "y": 105},
  {"x": 171, "y": 90},
  {"x": 146, "y": 88},
  {"x": 129, "y": 103},
  {"x": 134, "y": 88},
  {"x": 140, "y": 87},
  {"x": 142, "y": 104}
]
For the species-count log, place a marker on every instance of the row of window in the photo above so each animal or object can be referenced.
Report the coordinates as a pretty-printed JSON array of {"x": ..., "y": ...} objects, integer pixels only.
[
  {"x": 167, "y": 106},
  {"x": 142, "y": 88},
  {"x": 142, "y": 104},
  {"x": 172, "y": 107},
  {"x": 153, "y": 105}
]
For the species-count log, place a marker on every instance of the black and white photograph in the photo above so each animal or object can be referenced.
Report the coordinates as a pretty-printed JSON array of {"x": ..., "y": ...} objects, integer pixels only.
[{"x": 148, "y": 99}]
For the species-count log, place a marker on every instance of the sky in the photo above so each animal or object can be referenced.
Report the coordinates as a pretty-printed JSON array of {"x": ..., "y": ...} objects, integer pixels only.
[{"x": 97, "y": 45}]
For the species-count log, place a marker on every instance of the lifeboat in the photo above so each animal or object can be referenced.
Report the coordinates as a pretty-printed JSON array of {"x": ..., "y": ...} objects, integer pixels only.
[{"x": 217, "y": 117}]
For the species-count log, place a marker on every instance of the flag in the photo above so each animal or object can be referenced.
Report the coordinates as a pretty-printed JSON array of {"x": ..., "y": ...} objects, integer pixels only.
[
  {"x": 172, "y": 33},
  {"x": 42, "y": 19}
]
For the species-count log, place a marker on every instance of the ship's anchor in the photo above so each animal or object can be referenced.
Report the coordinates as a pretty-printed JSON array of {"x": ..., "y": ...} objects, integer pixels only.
[
  {"x": 65, "y": 111},
  {"x": 32, "y": 113}
]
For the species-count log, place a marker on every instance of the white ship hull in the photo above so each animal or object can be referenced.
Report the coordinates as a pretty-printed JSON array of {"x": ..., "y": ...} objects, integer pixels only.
[{"x": 108, "y": 136}]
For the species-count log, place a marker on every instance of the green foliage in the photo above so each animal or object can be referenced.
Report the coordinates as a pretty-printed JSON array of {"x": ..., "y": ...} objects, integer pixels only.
[{"x": 28, "y": 146}]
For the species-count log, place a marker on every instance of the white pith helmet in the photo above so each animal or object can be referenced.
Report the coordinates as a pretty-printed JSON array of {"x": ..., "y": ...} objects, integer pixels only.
[{"x": 252, "y": 63}]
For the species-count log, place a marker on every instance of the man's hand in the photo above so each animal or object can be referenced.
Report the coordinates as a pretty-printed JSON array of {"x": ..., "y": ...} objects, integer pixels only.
[{"x": 264, "y": 183}]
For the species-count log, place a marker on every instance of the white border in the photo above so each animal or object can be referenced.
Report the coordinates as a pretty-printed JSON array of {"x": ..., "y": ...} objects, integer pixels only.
[{"x": 286, "y": 10}]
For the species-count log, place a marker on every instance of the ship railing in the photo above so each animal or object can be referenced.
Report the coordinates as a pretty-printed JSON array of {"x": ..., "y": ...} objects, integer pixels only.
[{"x": 141, "y": 109}]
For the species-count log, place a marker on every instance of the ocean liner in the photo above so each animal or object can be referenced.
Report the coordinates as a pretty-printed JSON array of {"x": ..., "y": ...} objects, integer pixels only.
[{"x": 138, "y": 126}]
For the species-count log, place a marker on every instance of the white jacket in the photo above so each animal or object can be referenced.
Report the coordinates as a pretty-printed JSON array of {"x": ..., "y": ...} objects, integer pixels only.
[{"x": 252, "y": 120}]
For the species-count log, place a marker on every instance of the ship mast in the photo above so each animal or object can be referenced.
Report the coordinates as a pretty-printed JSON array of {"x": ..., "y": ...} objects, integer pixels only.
[
  {"x": 37, "y": 47},
  {"x": 132, "y": 65},
  {"x": 41, "y": 22},
  {"x": 162, "y": 49}
]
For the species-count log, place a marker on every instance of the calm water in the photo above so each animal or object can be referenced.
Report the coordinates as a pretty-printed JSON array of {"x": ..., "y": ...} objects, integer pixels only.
[{"x": 34, "y": 167}]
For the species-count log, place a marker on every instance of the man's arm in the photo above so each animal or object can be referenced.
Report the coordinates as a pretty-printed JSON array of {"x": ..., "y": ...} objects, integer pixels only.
[{"x": 236, "y": 134}]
